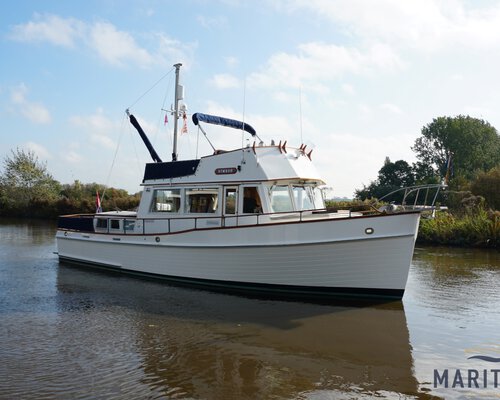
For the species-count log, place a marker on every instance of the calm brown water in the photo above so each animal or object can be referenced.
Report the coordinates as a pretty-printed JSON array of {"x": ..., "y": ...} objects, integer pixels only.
[{"x": 72, "y": 333}]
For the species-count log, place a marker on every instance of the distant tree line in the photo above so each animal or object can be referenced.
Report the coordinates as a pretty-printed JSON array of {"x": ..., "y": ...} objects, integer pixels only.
[
  {"x": 27, "y": 189},
  {"x": 462, "y": 150}
]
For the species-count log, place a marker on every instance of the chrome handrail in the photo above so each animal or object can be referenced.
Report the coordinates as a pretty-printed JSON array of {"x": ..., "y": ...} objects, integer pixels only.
[{"x": 418, "y": 188}]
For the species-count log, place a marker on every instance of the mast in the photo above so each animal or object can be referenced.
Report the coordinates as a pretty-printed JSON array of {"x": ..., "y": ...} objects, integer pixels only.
[{"x": 178, "y": 96}]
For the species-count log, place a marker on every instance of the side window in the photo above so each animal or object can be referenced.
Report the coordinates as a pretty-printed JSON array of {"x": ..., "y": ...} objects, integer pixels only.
[
  {"x": 166, "y": 200},
  {"x": 201, "y": 200},
  {"x": 115, "y": 224},
  {"x": 251, "y": 200},
  {"x": 102, "y": 223}
]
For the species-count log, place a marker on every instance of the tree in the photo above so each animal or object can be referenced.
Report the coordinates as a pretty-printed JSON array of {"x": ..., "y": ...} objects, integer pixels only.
[
  {"x": 487, "y": 185},
  {"x": 391, "y": 176},
  {"x": 473, "y": 144},
  {"x": 25, "y": 183},
  {"x": 397, "y": 174}
]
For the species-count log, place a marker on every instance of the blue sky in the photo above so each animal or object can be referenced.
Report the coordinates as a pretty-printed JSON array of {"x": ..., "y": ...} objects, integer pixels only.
[{"x": 363, "y": 76}]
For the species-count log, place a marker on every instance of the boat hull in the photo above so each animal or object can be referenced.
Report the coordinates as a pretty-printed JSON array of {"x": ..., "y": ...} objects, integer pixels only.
[{"x": 318, "y": 258}]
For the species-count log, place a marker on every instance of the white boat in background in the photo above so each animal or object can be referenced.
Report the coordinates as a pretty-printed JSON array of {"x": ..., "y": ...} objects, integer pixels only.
[{"x": 251, "y": 219}]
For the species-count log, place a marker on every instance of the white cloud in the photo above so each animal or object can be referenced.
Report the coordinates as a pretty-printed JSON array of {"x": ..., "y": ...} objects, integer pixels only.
[
  {"x": 98, "y": 127},
  {"x": 391, "y": 108},
  {"x": 72, "y": 157},
  {"x": 211, "y": 22},
  {"x": 117, "y": 47},
  {"x": 114, "y": 46},
  {"x": 346, "y": 88},
  {"x": 231, "y": 61},
  {"x": 225, "y": 81},
  {"x": 269, "y": 126},
  {"x": 35, "y": 112},
  {"x": 424, "y": 24},
  {"x": 49, "y": 28},
  {"x": 173, "y": 50},
  {"x": 39, "y": 150},
  {"x": 317, "y": 64},
  {"x": 457, "y": 77}
]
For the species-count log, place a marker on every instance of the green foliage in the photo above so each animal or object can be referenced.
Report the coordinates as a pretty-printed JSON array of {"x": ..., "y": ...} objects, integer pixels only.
[
  {"x": 487, "y": 185},
  {"x": 473, "y": 143},
  {"x": 80, "y": 198},
  {"x": 25, "y": 185},
  {"x": 353, "y": 205},
  {"x": 28, "y": 190},
  {"x": 478, "y": 229}
]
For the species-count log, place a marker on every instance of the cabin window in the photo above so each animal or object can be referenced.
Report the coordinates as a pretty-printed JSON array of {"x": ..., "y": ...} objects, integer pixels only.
[
  {"x": 280, "y": 199},
  {"x": 115, "y": 224},
  {"x": 129, "y": 225},
  {"x": 201, "y": 200},
  {"x": 166, "y": 200},
  {"x": 251, "y": 200},
  {"x": 102, "y": 223},
  {"x": 230, "y": 202},
  {"x": 303, "y": 197}
]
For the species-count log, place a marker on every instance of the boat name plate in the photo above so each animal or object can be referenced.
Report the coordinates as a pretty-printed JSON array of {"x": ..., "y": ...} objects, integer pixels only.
[{"x": 226, "y": 171}]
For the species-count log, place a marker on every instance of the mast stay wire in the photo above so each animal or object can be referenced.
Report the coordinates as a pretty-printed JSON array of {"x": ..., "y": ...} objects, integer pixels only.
[
  {"x": 114, "y": 157},
  {"x": 151, "y": 88},
  {"x": 122, "y": 130}
]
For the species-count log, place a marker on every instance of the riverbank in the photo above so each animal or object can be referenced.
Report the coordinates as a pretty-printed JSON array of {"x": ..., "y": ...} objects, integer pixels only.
[
  {"x": 476, "y": 227},
  {"x": 480, "y": 229}
]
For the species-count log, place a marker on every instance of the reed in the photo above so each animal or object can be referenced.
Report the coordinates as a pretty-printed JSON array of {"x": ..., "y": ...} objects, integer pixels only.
[{"x": 478, "y": 228}]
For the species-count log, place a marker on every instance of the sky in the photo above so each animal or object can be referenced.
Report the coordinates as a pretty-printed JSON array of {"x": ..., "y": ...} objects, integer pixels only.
[{"x": 356, "y": 80}]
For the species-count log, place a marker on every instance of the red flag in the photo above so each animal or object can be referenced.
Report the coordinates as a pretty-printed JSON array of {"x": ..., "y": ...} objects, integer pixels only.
[
  {"x": 166, "y": 119},
  {"x": 184, "y": 126},
  {"x": 98, "y": 208}
]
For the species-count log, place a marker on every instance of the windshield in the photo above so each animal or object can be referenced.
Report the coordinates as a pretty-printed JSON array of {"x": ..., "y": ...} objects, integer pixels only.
[
  {"x": 280, "y": 199},
  {"x": 307, "y": 198}
]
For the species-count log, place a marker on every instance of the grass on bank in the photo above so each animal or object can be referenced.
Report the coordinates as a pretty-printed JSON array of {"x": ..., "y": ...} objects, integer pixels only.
[{"x": 466, "y": 227}]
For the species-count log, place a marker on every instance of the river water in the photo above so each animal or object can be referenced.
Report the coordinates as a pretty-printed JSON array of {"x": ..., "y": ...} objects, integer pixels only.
[{"x": 74, "y": 333}]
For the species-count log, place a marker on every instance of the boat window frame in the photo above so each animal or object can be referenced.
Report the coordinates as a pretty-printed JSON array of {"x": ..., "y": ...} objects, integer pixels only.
[
  {"x": 113, "y": 222},
  {"x": 101, "y": 221},
  {"x": 258, "y": 201},
  {"x": 308, "y": 190},
  {"x": 209, "y": 189},
  {"x": 225, "y": 191},
  {"x": 290, "y": 197},
  {"x": 152, "y": 208}
]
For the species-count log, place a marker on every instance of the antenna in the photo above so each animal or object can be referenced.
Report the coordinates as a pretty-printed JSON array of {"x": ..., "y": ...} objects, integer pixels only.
[
  {"x": 178, "y": 95},
  {"x": 244, "y": 106},
  {"x": 300, "y": 113}
]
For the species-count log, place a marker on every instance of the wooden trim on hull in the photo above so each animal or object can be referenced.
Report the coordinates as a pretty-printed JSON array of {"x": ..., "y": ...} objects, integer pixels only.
[{"x": 288, "y": 292}]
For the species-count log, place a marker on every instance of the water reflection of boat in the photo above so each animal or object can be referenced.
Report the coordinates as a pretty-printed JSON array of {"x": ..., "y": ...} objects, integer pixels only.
[
  {"x": 249, "y": 219},
  {"x": 188, "y": 343}
]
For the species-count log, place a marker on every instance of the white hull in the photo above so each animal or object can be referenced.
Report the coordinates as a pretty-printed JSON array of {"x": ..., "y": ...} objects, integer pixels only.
[{"x": 322, "y": 256}]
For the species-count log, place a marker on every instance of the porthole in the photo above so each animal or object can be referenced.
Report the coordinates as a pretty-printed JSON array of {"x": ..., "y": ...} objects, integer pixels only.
[
  {"x": 157, "y": 239},
  {"x": 369, "y": 231}
]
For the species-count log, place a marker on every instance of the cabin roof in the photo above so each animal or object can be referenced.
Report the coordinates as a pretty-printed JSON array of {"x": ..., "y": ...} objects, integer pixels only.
[{"x": 266, "y": 163}]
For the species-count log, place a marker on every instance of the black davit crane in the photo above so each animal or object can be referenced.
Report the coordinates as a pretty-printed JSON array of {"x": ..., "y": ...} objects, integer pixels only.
[{"x": 152, "y": 151}]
